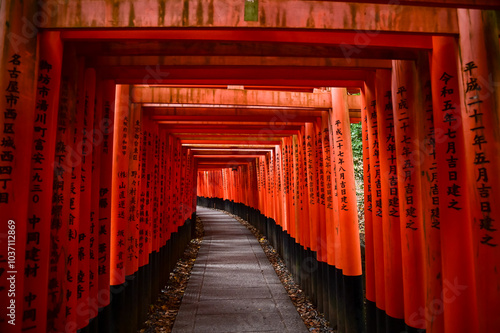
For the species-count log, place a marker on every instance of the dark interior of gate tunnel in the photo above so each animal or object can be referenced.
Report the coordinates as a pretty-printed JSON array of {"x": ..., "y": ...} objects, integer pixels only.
[{"x": 128, "y": 125}]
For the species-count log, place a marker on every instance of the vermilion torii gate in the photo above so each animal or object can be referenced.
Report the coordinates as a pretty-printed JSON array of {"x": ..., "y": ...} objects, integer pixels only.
[{"x": 116, "y": 115}]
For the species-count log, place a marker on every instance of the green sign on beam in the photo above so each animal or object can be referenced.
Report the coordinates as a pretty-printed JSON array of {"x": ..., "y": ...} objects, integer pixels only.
[{"x": 251, "y": 10}]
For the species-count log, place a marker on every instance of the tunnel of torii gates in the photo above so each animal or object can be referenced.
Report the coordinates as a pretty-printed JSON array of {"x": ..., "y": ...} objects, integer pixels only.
[{"x": 118, "y": 118}]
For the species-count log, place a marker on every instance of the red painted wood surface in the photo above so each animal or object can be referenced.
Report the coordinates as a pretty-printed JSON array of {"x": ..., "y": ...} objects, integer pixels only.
[
  {"x": 405, "y": 106},
  {"x": 106, "y": 101},
  {"x": 348, "y": 218},
  {"x": 42, "y": 182},
  {"x": 391, "y": 224},
  {"x": 370, "y": 99},
  {"x": 480, "y": 97}
]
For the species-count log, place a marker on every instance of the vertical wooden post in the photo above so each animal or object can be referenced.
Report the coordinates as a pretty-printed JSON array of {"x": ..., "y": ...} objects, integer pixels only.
[
  {"x": 406, "y": 105},
  {"x": 105, "y": 98},
  {"x": 119, "y": 186},
  {"x": 85, "y": 148},
  {"x": 311, "y": 185},
  {"x": 431, "y": 189},
  {"x": 394, "y": 300},
  {"x": 320, "y": 191},
  {"x": 75, "y": 194},
  {"x": 134, "y": 149},
  {"x": 144, "y": 201},
  {"x": 41, "y": 186},
  {"x": 455, "y": 224},
  {"x": 479, "y": 64},
  {"x": 337, "y": 239},
  {"x": 329, "y": 192},
  {"x": 371, "y": 297},
  {"x": 97, "y": 139},
  {"x": 304, "y": 199},
  {"x": 370, "y": 105},
  {"x": 297, "y": 181},
  {"x": 64, "y": 161},
  {"x": 348, "y": 217},
  {"x": 18, "y": 75}
]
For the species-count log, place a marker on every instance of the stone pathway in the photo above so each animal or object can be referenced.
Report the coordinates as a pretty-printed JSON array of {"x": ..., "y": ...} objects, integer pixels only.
[{"x": 233, "y": 287}]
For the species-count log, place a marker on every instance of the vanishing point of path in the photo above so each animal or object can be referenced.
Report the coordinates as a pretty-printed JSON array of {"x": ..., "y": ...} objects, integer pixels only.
[{"x": 233, "y": 287}]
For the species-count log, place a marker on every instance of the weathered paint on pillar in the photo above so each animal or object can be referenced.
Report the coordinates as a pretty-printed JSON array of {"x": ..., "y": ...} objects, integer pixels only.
[{"x": 479, "y": 64}]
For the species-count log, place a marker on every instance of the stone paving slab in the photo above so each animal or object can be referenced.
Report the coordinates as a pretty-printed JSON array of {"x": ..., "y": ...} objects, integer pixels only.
[{"x": 233, "y": 287}]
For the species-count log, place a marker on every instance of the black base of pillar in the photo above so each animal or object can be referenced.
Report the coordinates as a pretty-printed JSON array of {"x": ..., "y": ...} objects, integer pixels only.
[
  {"x": 130, "y": 300},
  {"x": 394, "y": 324}
]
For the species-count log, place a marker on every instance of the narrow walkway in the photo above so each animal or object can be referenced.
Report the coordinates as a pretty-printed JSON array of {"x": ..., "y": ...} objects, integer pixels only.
[{"x": 233, "y": 287}]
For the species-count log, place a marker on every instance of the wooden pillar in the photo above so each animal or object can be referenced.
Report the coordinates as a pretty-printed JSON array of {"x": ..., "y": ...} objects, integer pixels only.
[
  {"x": 106, "y": 100},
  {"x": 41, "y": 186},
  {"x": 394, "y": 300},
  {"x": 119, "y": 186},
  {"x": 272, "y": 184},
  {"x": 329, "y": 230},
  {"x": 371, "y": 297},
  {"x": 154, "y": 186},
  {"x": 144, "y": 200},
  {"x": 75, "y": 194},
  {"x": 133, "y": 186},
  {"x": 320, "y": 190},
  {"x": 297, "y": 192},
  {"x": 311, "y": 175},
  {"x": 85, "y": 149},
  {"x": 370, "y": 105},
  {"x": 304, "y": 198},
  {"x": 348, "y": 217},
  {"x": 18, "y": 84},
  {"x": 431, "y": 189},
  {"x": 479, "y": 64},
  {"x": 280, "y": 204},
  {"x": 339, "y": 289},
  {"x": 97, "y": 139},
  {"x": 406, "y": 105},
  {"x": 287, "y": 183},
  {"x": 64, "y": 161}
]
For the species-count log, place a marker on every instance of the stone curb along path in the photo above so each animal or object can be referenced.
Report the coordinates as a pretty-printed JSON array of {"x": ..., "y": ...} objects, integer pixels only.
[{"x": 233, "y": 287}]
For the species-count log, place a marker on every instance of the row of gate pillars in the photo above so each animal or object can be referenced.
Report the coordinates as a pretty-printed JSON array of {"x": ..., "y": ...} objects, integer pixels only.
[
  {"x": 430, "y": 139},
  {"x": 99, "y": 202}
]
